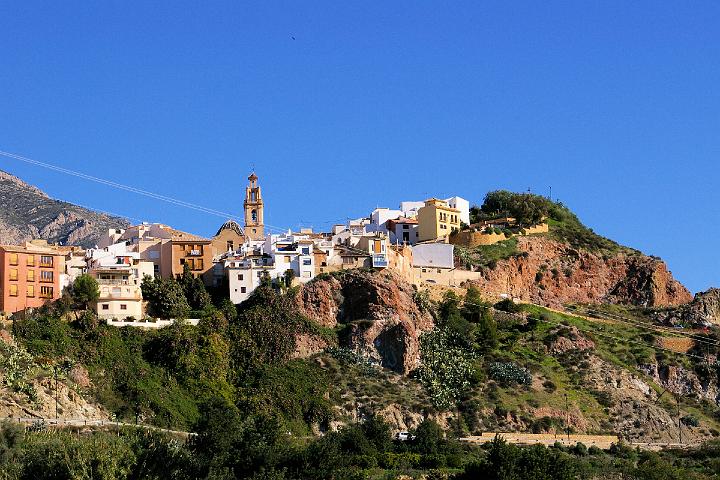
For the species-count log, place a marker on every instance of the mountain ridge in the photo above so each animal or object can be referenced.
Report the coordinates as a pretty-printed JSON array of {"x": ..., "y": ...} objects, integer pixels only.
[{"x": 31, "y": 213}]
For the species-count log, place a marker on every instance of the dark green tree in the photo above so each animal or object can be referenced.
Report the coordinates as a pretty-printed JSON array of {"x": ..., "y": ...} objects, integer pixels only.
[
  {"x": 194, "y": 289},
  {"x": 429, "y": 437},
  {"x": 84, "y": 292},
  {"x": 165, "y": 298}
]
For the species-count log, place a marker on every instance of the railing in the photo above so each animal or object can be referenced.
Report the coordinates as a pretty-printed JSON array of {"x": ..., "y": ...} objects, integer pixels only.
[{"x": 113, "y": 282}]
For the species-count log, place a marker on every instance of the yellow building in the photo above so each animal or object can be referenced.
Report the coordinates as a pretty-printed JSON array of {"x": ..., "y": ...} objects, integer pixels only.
[{"x": 437, "y": 220}]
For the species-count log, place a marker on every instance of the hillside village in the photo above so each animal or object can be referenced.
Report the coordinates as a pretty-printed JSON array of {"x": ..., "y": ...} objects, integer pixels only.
[{"x": 416, "y": 241}]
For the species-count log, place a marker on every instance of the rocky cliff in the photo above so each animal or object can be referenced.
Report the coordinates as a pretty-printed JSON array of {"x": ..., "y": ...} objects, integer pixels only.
[
  {"x": 30, "y": 213},
  {"x": 703, "y": 311},
  {"x": 378, "y": 308},
  {"x": 549, "y": 272}
]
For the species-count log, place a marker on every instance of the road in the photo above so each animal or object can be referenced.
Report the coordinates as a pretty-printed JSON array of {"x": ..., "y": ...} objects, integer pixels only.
[{"x": 77, "y": 422}]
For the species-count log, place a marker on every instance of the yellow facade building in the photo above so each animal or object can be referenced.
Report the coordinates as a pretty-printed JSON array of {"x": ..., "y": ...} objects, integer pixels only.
[{"x": 437, "y": 220}]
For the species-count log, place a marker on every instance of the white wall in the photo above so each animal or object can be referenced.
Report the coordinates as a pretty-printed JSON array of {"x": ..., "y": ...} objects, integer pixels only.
[
  {"x": 438, "y": 255},
  {"x": 462, "y": 205}
]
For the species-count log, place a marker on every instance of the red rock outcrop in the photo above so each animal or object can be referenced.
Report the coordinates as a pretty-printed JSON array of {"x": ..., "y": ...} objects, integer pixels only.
[
  {"x": 548, "y": 272},
  {"x": 384, "y": 321}
]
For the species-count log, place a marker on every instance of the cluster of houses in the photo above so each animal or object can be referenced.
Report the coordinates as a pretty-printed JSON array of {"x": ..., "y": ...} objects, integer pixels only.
[{"x": 413, "y": 241}]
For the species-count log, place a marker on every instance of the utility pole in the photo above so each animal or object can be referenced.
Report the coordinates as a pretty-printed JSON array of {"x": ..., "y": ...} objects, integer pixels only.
[
  {"x": 677, "y": 401},
  {"x": 567, "y": 417},
  {"x": 56, "y": 392}
]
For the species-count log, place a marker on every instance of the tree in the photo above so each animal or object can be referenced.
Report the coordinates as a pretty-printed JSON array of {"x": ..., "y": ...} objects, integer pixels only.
[
  {"x": 194, "y": 289},
  {"x": 84, "y": 291},
  {"x": 428, "y": 437},
  {"x": 165, "y": 298}
]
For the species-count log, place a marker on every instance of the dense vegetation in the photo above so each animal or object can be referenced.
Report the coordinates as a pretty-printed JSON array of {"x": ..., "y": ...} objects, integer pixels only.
[
  {"x": 257, "y": 411},
  {"x": 230, "y": 446},
  {"x": 164, "y": 376},
  {"x": 530, "y": 209}
]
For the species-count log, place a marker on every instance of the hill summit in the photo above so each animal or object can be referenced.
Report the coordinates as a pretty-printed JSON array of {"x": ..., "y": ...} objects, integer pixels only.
[{"x": 30, "y": 213}]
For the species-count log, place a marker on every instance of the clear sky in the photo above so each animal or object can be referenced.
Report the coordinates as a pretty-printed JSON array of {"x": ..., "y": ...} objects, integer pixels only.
[{"x": 343, "y": 106}]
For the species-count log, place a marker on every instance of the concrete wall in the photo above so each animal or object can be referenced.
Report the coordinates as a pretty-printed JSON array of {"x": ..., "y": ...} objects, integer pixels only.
[{"x": 149, "y": 323}]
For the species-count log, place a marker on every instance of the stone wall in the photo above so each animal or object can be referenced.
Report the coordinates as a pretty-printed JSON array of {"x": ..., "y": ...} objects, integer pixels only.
[{"x": 471, "y": 239}]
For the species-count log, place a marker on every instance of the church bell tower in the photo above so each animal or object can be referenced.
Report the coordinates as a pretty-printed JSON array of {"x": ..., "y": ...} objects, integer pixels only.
[{"x": 254, "y": 226}]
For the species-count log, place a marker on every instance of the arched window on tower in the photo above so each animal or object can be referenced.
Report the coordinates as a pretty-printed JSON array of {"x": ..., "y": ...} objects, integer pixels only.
[
  {"x": 253, "y": 215},
  {"x": 253, "y": 196}
]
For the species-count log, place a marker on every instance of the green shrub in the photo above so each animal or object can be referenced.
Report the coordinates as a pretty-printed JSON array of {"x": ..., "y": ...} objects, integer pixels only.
[{"x": 509, "y": 373}]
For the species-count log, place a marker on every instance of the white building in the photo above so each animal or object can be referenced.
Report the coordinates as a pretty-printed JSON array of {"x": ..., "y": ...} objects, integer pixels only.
[
  {"x": 245, "y": 274},
  {"x": 380, "y": 216},
  {"x": 277, "y": 255},
  {"x": 461, "y": 204},
  {"x": 403, "y": 230},
  {"x": 410, "y": 209}
]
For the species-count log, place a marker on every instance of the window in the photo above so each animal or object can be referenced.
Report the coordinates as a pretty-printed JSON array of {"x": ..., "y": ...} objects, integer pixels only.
[
  {"x": 13, "y": 290},
  {"x": 105, "y": 306},
  {"x": 46, "y": 275},
  {"x": 253, "y": 215},
  {"x": 243, "y": 289},
  {"x": 424, "y": 270},
  {"x": 240, "y": 276},
  {"x": 13, "y": 274},
  {"x": 46, "y": 261},
  {"x": 31, "y": 290},
  {"x": 13, "y": 259},
  {"x": 439, "y": 271},
  {"x": 46, "y": 292},
  {"x": 287, "y": 258},
  {"x": 406, "y": 227},
  {"x": 307, "y": 261},
  {"x": 198, "y": 264},
  {"x": 123, "y": 306},
  {"x": 348, "y": 260},
  {"x": 230, "y": 246},
  {"x": 306, "y": 251},
  {"x": 31, "y": 275},
  {"x": 31, "y": 260}
]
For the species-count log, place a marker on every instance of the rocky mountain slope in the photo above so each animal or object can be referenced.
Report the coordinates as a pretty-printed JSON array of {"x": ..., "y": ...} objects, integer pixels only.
[
  {"x": 703, "y": 311},
  {"x": 30, "y": 213},
  {"x": 383, "y": 321},
  {"x": 549, "y": 272}
]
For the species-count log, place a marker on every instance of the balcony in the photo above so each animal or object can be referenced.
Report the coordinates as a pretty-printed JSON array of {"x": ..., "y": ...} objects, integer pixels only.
[{"x": 114, "y": 282}]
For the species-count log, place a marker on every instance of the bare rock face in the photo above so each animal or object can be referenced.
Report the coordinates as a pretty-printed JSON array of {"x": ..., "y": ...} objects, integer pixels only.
[
  {"x": 703, "y": 311},
  {"x": 384, "y": 321},
  {"x": 571, "y": 340},
  {"x": 548, "y": 272},
  {"x": 29, "y": 213}
]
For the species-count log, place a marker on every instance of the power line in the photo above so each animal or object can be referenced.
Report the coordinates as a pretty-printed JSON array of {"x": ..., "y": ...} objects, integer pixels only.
[
  {"x": 592, "y": 332},
  {"x": 653, "y": 328},
  {"x": 129, "y": 188}
]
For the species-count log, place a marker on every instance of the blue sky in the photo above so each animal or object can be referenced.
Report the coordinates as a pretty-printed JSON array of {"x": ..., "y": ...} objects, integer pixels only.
[{"x": 616, "y": 105}]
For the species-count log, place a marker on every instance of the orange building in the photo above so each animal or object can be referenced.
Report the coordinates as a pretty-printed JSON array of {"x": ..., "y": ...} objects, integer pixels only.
[{"x": 29, "y": 276}]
